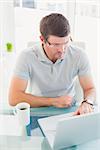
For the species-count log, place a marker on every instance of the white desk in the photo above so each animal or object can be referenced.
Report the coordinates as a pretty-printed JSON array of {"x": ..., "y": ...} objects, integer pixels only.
[
  {"x": 23, "y": 143},
  {"x": 38, "y": 142}
]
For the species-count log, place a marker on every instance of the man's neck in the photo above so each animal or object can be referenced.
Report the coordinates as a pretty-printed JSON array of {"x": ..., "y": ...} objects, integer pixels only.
[{"x": 53, "y": 60}]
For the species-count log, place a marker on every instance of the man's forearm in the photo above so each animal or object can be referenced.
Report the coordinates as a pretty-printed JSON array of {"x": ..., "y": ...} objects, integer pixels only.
[
  {"x": 91, "y": 94},
  {"x": 34, "y": 101}
]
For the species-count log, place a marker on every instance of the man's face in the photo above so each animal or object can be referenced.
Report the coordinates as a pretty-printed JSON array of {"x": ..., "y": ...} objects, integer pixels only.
[{"x": 55, "y": 47}]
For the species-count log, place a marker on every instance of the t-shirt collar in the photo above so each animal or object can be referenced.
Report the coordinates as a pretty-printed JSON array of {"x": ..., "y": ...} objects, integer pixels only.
[{"x": 42, "y": 56}]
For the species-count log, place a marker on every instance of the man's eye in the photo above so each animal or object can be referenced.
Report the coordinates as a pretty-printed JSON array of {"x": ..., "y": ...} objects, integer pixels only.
[{"x": 56, "y": 44}]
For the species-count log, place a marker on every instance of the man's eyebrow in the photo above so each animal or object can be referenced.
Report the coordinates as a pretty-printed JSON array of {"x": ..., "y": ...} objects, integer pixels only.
[{"x": 61, "y": 43}]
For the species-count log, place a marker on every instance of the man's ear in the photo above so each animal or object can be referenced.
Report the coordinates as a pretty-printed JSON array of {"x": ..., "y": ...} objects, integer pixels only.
[{"x": 41, "y": 38}]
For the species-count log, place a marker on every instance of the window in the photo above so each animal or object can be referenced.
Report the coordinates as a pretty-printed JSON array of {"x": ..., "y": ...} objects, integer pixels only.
[
  {"x": 41, "y": 5},
  {"x": 25, "y": 3}
]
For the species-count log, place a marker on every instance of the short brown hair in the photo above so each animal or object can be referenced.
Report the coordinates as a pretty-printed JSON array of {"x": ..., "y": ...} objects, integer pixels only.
[{"x": 54, "y": 24}]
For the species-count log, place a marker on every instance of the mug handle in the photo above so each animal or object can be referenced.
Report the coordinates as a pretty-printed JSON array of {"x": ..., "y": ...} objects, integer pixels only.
[{"x": 15, "y": 111}]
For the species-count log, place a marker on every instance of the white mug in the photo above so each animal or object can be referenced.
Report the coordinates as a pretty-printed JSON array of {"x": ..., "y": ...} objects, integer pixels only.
[{"x": 22, "y": 112}]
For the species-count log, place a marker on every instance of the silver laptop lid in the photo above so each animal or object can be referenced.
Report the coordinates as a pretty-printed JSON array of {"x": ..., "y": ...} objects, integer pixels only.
[{"x": 76, "y": 130}]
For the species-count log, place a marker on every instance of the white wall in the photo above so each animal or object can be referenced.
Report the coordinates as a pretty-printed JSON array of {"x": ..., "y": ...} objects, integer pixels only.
[
  {"x": 7, "y": 23},
  {"x": 87, "y": 30},
  {"x": 6, "y": 35},
  {"x": 27, "y": 23},
  {"x": 26, "y": 26}
]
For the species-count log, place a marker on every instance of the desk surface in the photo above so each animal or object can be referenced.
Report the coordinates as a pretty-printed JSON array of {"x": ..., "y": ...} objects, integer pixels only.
[{"x": 38, "y": 142}]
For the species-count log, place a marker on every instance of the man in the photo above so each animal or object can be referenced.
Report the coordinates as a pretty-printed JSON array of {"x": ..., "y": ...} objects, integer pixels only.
[{"x": 50, "y": 68}]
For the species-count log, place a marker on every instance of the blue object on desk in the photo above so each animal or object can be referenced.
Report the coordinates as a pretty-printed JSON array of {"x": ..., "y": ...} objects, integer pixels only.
[
  {"x": 33, "y": 124},
  {"x": 49, "y": 111},
  {"x": 41, "y": 112}
]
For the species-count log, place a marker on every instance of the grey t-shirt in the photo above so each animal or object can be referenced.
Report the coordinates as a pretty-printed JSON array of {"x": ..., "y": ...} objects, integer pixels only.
[{"x": 50, "y": 79}]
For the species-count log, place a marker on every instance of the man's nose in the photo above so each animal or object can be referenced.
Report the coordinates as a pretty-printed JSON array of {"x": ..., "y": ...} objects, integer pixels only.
[{"x": 61, "y": 48}]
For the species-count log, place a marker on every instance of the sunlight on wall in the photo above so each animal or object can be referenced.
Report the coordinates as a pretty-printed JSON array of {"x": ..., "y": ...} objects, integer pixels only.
[{"x": 87, "y": 29}]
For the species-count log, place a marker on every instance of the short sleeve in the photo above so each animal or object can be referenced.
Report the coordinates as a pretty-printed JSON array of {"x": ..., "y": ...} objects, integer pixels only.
[
  {"x": 22, "y": 66},
  {"x": 84, "y": 65}
]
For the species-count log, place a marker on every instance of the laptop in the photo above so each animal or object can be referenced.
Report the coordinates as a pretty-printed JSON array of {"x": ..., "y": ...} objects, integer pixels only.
[{"x": 67, "y": 130}]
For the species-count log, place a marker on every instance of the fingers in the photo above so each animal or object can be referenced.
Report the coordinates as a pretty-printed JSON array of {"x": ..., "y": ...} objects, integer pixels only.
[
  {"x": 83, "y": 109},
  {"x": 87, "y": 108},
  {"x": 75, "y": 113},
  {"x": 91, "y": 109},
  {"x": 63, "y": 102},
  {"x": 78, "y": 112}
]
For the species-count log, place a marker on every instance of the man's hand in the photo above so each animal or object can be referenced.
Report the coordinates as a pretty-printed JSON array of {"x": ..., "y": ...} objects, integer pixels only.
[
  {"x": 84, "y": 108},
  {"x": 62, "y": 101}
]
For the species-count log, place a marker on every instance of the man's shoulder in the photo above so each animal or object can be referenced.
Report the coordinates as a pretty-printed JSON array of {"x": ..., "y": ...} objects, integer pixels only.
[
  {"x": 76, "y": 50},
  {"x": 31, "y": 51}
]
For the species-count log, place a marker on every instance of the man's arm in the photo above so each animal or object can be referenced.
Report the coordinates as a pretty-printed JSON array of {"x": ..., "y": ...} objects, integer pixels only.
[
  {"x": 17, "y": 94},
  {"x": 88, "y": 87},
  {"x": 89, "y": 91}
]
